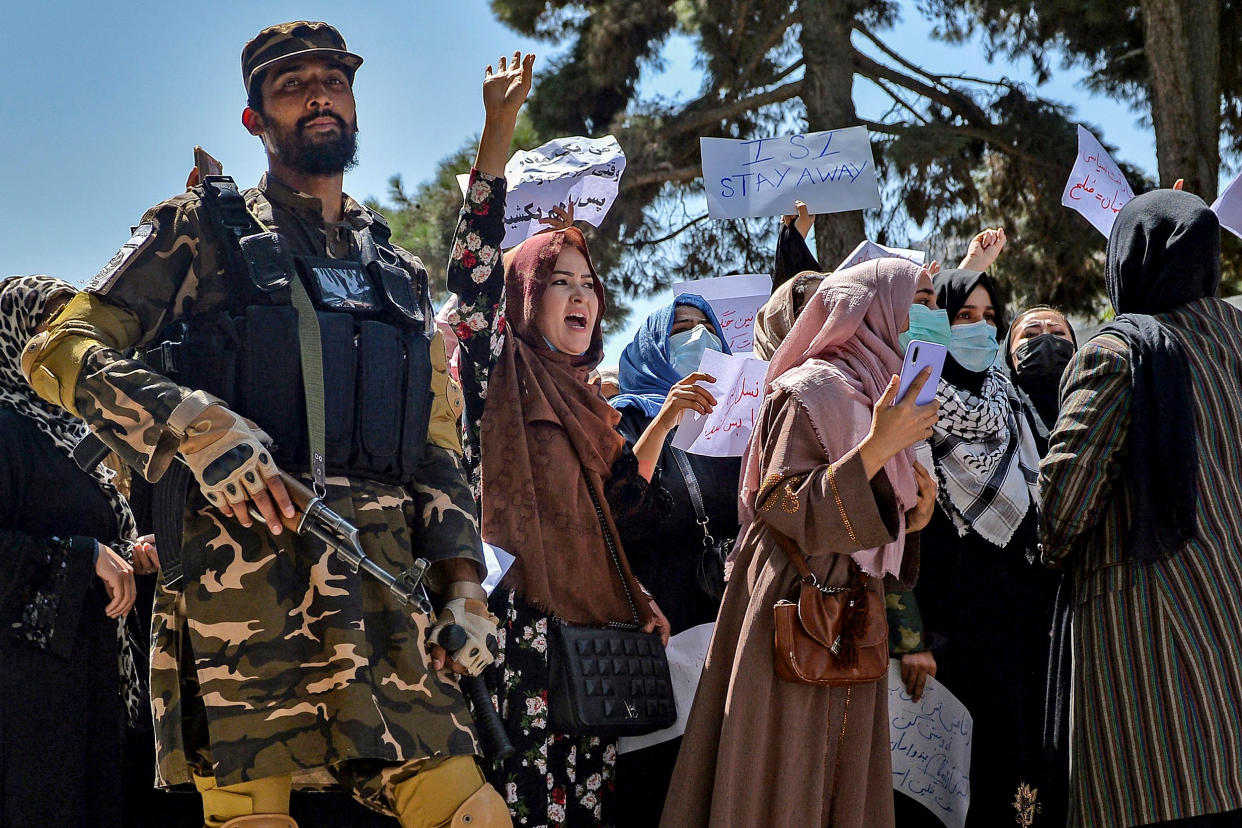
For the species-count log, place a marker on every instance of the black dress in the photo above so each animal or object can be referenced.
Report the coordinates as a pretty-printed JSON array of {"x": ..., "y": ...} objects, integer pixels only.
[
  {"x": 62, "y": 719},
  {"x": 664, "y": 557}
]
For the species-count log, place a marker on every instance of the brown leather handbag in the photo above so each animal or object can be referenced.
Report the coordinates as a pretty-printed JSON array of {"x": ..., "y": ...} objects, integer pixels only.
[{"x": 830, "y": 636}]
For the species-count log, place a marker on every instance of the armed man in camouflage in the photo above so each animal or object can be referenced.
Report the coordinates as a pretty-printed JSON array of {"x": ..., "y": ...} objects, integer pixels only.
[{"x": 273, "y": 664}]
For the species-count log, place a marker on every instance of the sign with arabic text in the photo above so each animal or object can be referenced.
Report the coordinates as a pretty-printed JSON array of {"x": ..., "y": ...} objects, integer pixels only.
[
  {"x": 584, "y": 171},
  {"x": 1096, "y": 186},
  {"x": 930, "y": 743},
  {"x": 735, "y": 300},
  {"x": 738, "y": 390}
]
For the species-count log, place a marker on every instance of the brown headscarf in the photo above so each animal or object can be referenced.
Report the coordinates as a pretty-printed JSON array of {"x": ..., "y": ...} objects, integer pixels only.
[
  {"x": 777, "y": 316},
  {"x": 544, "y": 427}
]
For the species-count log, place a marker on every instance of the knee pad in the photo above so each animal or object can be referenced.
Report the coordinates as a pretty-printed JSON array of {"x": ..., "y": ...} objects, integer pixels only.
[
  {"x": 485, "y": 808},
  {"x": 261, "y": 821},
  {"x": 451, "y": 793},
  {"x": 266, "y": 799}
]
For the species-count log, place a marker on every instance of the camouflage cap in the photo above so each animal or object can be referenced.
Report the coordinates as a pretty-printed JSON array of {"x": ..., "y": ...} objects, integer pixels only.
[{"x": 297, "y": 38}]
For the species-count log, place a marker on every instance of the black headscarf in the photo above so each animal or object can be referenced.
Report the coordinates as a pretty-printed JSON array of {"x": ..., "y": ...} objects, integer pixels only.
[
  {"x": 952, "y": 289},
  {"x": 1164, "y": 251}
]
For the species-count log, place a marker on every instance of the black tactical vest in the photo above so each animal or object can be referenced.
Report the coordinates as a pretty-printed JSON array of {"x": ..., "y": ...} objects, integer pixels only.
[{"x": 374, "y": 339}]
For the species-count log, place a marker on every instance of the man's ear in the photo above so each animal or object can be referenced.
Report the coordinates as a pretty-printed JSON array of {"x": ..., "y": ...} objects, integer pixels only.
[{"x": 252, "y": 121}]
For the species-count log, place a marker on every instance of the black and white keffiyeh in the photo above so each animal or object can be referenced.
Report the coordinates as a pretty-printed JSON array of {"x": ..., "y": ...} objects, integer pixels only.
[
  {"x": 987, "y": 464},
  {"x": 23, "y": 300}
]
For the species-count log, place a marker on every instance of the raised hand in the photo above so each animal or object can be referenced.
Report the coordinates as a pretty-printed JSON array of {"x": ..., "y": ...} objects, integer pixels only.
[
  {"x": 505, "y": 88},
  {"x": 984, "y": 248},
  {"x": 803, "y": 222}
]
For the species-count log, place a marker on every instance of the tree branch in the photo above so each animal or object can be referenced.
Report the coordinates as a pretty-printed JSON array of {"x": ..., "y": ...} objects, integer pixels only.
[
  {"x": 955, "y": 101},
  {"x": 672, "y": 235},
  {"x": 936, "y": 90},
  {"x": 695, "y": 121},
  {"x": 645, "y": 178},
  {"x": 773, "y": 38}
]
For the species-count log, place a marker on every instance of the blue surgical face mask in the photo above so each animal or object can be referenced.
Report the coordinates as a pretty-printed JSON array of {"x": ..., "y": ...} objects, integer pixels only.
[
  {"x": 974, "y": 346},
  {"x": 685, "y": 349},
  {"x": 555, "y": 349},
  {"x": 926, "y": 325}
]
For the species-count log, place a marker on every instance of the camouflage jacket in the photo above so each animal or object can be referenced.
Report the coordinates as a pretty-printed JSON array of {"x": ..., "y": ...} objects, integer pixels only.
[{"x": 294, "y": 662}]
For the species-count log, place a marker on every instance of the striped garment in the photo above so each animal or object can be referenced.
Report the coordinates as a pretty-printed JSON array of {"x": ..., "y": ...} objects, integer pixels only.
[{"x": 1156, "y": 721}]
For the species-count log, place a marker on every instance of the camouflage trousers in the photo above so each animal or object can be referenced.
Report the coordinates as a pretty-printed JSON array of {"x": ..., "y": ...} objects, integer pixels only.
[{"x": 279, "y": 660}]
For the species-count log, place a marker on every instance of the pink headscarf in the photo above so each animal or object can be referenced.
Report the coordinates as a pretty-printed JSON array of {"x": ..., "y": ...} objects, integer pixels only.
[{"x": 838, "y": 358}]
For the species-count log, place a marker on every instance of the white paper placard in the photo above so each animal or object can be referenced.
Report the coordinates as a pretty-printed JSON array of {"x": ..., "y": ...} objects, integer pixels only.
[
  {"x": 738, "y": 390},
  {"x": 868, "y": 250},
  {"x": 735, "y": 300},
  {"x": 831, "y": 171},
  {"x": 1096, "y": 187},
  {"x": 686, "y": 653},
  {"x": 1228, "y": 207},
  {"x": 930, "y": 741},
  {"x": 498, "y": 562},
  {"x": 586, "y": 171}
]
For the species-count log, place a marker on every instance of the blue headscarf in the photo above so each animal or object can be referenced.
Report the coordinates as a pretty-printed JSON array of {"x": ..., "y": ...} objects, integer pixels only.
[{"x": 645, "y": 374}]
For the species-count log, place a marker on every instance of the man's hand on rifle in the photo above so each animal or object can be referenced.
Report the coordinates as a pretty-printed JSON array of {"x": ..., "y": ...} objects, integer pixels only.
[
  {"x": 464, "y": 635},
  {"x": 229, "y": 457}
]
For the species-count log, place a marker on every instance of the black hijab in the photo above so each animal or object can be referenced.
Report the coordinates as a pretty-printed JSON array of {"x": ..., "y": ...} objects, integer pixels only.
[
  {"x": 952, "y": 289},
  {"x": 1164, "y": 251}
]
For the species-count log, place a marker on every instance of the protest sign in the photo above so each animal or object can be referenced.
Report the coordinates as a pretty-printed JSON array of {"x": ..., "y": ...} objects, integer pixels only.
[
  {"x": 738, "y": 390},
  {"x": 930, "y": 741},
  {"x": 1096, "y": 187},
  {"x": 584, "y": 171},
  {"x": 868, "y": 250},
  {"x": 1228, "y": 207},
  {"x": 736, "y": 300},
  {"x": 831, "y": 171},
  {"x": 686, "y": 653}
]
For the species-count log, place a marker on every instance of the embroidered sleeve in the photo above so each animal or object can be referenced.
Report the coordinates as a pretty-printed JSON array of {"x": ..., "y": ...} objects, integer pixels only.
[
  {"x": 45, "y": 583},
  {"x": 476, "y": 275},
  {"x": 638, "y": 507}
]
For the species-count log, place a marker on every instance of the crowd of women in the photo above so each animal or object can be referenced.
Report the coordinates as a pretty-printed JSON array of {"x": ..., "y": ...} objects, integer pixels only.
[{"x": 938, "y": 507}]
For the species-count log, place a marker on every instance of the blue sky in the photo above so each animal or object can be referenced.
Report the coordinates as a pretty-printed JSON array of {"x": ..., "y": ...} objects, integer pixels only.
[{"x": 105, "y": 102}]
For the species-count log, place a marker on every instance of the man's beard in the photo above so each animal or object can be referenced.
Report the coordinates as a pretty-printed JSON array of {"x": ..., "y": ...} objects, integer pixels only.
[{"x": 326, "y": 156}]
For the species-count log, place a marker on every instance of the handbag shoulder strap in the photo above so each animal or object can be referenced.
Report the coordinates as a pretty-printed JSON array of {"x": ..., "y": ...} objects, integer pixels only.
[
  {"x": 793, "y": 552},
  {"x": 696, "y": 494},
  {"x": 692, "y": 483},
  {"x": 616, "y": 558}
]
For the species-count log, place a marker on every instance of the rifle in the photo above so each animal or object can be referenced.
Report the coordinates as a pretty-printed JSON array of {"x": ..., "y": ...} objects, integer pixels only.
[{"x": 316, "y": 519}]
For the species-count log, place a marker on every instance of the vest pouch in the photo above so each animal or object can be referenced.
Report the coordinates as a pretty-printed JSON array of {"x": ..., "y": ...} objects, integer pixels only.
[
  {"x": 418, "y": 398},
  {"x": 399, "y": 293},
  {"x": 268, "y": 261},
  {"x": 381, "y": 366},
  {"x": 206, "y": 356},
  {"x": 340, "y": 373},
  {"x": 340, "y": 285},
  {"x": 270, "y": 385}
]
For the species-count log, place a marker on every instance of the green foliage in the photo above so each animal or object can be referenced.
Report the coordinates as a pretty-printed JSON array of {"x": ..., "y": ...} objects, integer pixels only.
[{"x": 955, "y": 154}]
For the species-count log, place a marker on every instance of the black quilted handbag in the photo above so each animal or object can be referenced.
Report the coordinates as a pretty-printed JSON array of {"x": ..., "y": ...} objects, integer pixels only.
[{"x": 610, "y": 681}]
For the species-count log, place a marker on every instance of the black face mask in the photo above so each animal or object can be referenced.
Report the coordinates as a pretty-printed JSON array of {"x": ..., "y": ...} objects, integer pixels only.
[{"x": 1037, "y": 366}]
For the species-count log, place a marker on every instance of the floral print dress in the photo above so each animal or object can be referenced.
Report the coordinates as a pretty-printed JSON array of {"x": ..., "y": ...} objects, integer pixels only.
[{"x": 553, "y": 778}]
